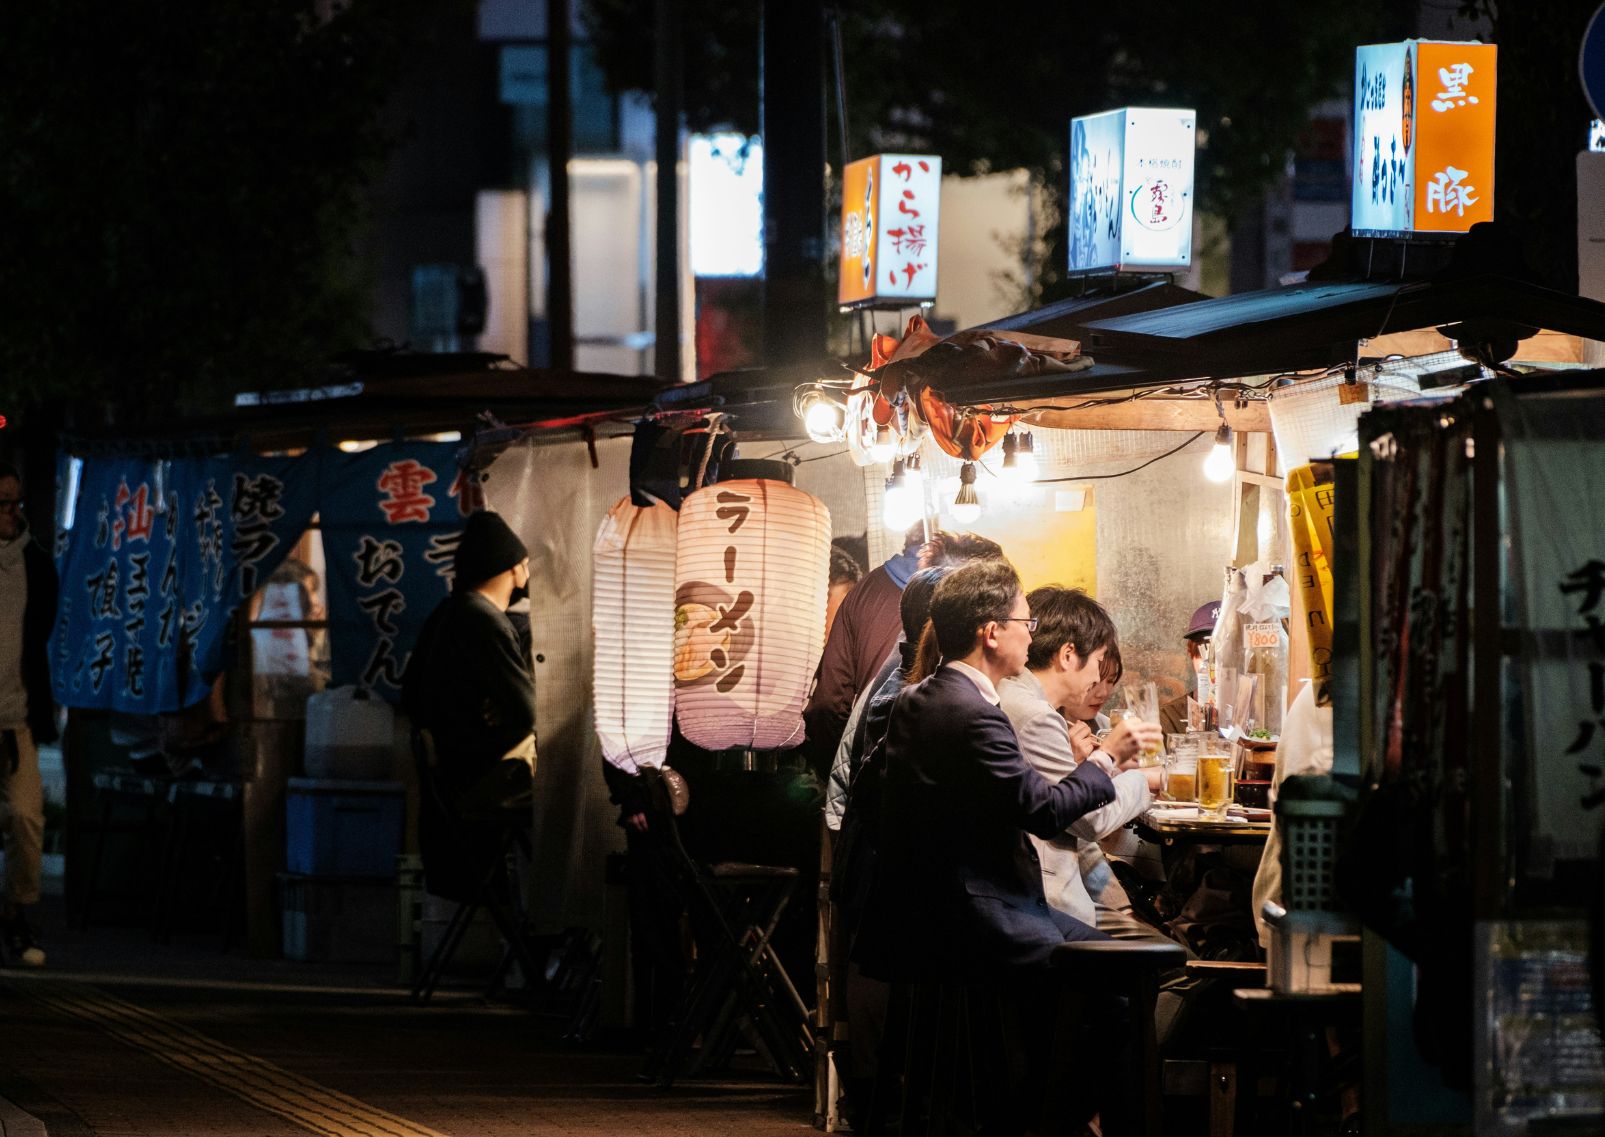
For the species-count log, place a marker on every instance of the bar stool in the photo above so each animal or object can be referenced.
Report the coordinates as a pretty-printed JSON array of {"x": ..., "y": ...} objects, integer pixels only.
[
  {"x": 1128, "y": 968},
  {"x": 497, "y": 888},
  {"x": 734, "y": 909},
  {"x": 212, "y": 808},
  {"x": 499, "y": 895}
]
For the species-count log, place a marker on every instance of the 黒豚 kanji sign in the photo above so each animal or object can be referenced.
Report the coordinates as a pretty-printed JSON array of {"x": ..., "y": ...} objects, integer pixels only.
[{"x": 1423, "y": 137}]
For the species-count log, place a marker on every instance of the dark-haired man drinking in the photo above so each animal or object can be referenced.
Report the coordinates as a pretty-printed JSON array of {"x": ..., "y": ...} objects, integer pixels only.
[{"x": 960, "y": 799}]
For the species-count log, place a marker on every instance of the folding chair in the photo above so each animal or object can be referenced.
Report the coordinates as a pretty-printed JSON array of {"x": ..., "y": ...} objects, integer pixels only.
[
  {"x": 205, "y": 816},
  {"x": 152, "y": 797},
  {"x": 497, "y": 892},
  {"x": 738, "y": 981}
]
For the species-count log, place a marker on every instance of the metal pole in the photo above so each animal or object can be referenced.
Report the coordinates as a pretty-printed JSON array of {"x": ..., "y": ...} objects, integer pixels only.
[
  {"x": 670, "y": 83},
  {"x": 839, "y": 67},
  {"x": 559, "y": 148},
  {"x": 793, "y": 85}
]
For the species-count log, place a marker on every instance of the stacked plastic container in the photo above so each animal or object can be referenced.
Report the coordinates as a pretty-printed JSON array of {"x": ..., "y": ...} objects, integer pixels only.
[{"x": 343, "y": 831}]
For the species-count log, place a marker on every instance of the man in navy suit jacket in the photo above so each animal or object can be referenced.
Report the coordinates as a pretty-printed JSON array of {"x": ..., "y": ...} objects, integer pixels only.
[{"x": 958, "y": 888}]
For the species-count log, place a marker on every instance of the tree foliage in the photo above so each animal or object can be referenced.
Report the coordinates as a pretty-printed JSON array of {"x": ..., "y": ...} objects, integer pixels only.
[
  {"x": 993, "y": 86},
  {"x": 183, "y": 184}
]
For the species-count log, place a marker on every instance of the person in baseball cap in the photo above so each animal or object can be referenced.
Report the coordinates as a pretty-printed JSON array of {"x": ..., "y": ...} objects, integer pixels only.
[
  {"x": 1203, "y": 624},
  {"x": 1173, "y": 714}
]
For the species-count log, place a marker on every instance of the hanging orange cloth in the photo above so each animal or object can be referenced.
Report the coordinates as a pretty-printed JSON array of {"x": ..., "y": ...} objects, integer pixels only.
[
  {"x": 965, "y": 434},
  {"x": 881, "y": 348}
]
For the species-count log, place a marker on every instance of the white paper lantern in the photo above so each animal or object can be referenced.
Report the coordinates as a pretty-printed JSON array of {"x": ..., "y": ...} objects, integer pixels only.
[
  {"x": 749, "y": 622},
  {"x": 632, "y": 620}
]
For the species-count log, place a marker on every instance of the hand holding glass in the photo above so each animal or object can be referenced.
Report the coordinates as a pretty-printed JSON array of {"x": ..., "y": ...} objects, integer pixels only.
[
  {"x": 1143, "y": 702},
  {"x": 1130, "y": 738}
]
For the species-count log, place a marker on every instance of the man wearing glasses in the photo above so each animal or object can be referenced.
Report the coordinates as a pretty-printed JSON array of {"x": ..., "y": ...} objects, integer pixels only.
[
  {"x": 958, "y": 891},
  {"x": 959, "y": 801},
  {"x": 27, "y": 610}
]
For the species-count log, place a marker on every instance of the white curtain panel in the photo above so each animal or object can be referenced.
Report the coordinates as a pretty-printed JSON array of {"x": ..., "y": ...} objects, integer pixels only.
[{"x": 554, "y": 500}]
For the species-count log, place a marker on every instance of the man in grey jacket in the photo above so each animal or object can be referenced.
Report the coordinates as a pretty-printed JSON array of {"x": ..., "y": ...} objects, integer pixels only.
[
  {"x": 27, "y": 717},
  {"x": 1070, "y": 671}
]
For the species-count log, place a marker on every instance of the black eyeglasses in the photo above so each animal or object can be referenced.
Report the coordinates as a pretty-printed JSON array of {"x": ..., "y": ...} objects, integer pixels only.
[{"x": 1030, "y": 622}]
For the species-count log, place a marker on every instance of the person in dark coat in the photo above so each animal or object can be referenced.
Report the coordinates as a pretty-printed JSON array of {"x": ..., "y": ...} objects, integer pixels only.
[
  {"x": 468, "y": 685},
  {"x": 958, "y": 887},
  {"x": 865, "y": 631},
  {"x": 957, "y": 894},
  {"x": 862, "y": 634},
  {"x": 858, "y": 772}
]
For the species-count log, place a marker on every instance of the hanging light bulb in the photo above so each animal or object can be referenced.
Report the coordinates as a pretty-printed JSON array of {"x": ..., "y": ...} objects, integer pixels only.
[
  {"x": 884, "y": 448},
  {"x": 1019, "y": 458},
  {"x": 824, "y": 418},
  {"x": 1219, "y": 466},
  {"x": 904, "y": 497},
  {"x": 914, "y": 479},
  {"x": 967, "y": 506},
  {"x": 1025, "y": 458}
]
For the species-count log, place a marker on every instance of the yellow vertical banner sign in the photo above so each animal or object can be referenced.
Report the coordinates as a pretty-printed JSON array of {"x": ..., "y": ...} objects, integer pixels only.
[{"x": 1310, "y": 505}]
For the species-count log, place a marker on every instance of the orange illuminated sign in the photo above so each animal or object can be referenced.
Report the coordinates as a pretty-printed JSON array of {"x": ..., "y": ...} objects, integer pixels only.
[
  {"x": 1424, "y": 115},
  {"x": 890, "y": 211},
  {"x": 1455, "y": 98}
]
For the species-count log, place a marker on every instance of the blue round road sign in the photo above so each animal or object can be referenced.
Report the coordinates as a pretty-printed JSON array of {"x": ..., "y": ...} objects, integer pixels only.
[{"x": 1591, "y": 62}]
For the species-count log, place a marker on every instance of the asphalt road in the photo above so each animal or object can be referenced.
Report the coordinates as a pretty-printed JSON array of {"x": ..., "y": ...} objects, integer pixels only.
[{"x": 122, "y": 1037}]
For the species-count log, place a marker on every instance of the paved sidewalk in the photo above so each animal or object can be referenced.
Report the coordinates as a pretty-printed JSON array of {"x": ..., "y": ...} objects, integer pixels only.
[{"x": 121, "y": 1038}]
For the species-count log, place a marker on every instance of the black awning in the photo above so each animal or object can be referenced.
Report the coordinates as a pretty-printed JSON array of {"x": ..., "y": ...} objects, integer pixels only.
[
  {"x": 1308, "y": 326},
  {"x": 1068, "y": 319}
]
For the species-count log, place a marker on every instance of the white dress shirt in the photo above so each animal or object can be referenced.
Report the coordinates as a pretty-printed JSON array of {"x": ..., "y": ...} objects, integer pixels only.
[
  {"x": 1045, "y": 742},
  {"x": 978, "y": 677}
]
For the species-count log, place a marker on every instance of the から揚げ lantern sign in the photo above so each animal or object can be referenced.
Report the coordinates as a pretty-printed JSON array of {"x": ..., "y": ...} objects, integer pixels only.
[
  {"x": 751, "y": 577},
  {"x": 632, "y": 621},
  {"x": 1423, "y": 137},
  {"x": 890, "y": 211}
]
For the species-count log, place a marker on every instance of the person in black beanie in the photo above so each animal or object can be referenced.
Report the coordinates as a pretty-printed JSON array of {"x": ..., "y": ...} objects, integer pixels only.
[{"x": 468, "y": 685}]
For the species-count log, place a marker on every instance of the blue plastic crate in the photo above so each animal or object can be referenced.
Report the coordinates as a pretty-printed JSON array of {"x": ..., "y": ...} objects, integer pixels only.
[
  {"x": 337, "y": 828},
  {"x": 338, "y": 919}
]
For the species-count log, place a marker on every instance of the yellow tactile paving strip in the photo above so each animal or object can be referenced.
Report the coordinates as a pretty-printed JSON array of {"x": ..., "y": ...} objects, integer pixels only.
[{"x": 253, "y": 1080}]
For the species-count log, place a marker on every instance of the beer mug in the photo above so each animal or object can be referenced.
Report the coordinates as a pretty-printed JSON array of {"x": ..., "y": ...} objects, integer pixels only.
[
  {"x": 1181, "y": 777},
  {"x": 1214, "y": 783}
]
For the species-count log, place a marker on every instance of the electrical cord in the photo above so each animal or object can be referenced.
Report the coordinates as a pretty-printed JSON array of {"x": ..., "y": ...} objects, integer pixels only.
[
  {"x": 1123, "y": 473},
  {"x": 1190, "y": 393},
  {"x": 790, "y": 453}
]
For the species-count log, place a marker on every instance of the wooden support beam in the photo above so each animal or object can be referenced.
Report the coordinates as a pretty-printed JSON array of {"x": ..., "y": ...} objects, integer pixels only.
[{"x": 1154, "y": 414}]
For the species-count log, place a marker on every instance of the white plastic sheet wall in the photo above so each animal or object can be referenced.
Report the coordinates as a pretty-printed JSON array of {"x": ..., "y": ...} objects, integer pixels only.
[{"x": 554, "y": 500}]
